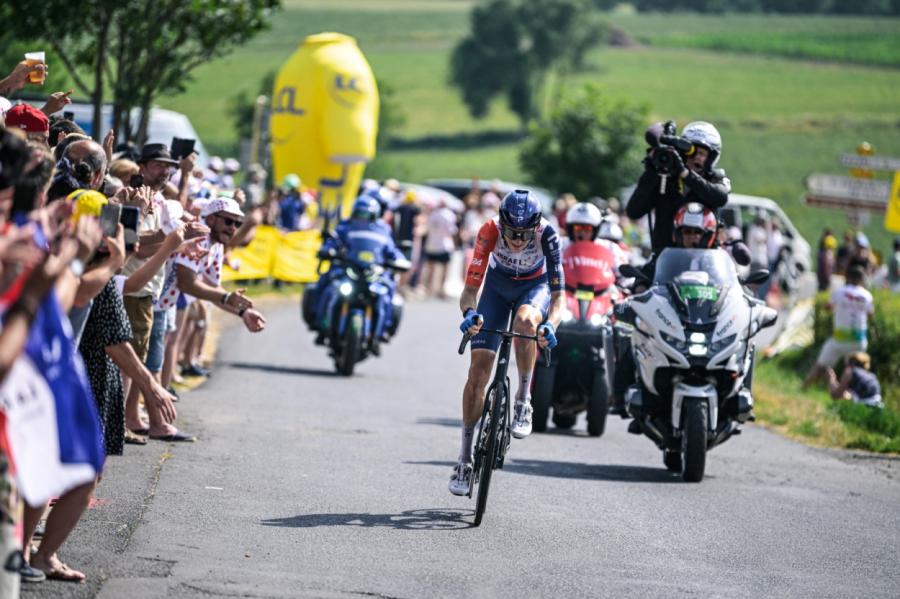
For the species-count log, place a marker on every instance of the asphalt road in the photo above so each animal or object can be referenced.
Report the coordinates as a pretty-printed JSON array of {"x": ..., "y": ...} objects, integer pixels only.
[{"x": 304, "y": 484}]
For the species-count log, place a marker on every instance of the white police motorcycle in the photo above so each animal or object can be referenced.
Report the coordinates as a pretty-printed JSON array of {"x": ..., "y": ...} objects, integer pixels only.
[{"x": 692, "y": 340}]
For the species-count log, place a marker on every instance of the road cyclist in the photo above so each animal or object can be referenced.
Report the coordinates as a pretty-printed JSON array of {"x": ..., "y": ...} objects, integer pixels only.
[{"x": 517, "y": 257}]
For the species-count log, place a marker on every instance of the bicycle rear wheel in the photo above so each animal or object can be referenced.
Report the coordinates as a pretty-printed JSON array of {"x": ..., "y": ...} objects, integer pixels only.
[{"x": 489, "y": 450}]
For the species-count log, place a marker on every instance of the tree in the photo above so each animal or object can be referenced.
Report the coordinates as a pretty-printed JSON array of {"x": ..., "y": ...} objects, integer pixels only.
[
  {"x": 138, "y": 50},
  {"x": 514, "y": 44},
  {"x": 590, "y": 145}
]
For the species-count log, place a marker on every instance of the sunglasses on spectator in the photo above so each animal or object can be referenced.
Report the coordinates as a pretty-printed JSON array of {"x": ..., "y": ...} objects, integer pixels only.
[
  {"x": 518, "y": 234},
  {"x": 231, "y": 222}
]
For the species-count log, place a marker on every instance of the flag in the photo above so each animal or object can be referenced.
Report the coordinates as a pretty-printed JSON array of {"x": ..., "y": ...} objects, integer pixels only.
[{"x": 52, "y": 424}]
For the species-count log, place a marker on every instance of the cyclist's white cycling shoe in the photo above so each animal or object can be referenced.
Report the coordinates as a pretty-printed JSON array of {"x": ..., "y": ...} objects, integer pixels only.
[
  {"x": 461, "y": 479},
  {"x": 521, "y": 424}
]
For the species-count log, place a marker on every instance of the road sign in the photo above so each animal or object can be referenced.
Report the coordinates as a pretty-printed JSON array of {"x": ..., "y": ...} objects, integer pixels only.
[
  {"x": 878, "y": 163},
  {"x": 892, "y": 218},
  {"x": 848, "y": 204},
  {"x": 848, "y": 188}
]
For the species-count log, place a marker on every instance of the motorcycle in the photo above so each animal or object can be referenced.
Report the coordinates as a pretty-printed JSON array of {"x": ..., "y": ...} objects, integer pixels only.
[
  {"x": 353, "y": 322},
  {"x": 692, "y": 340},
  {"x": 578, "y": 376}
]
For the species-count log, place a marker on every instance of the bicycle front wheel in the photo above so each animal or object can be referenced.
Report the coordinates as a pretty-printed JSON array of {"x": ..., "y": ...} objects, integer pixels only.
[{"x": 489, "y": 450}]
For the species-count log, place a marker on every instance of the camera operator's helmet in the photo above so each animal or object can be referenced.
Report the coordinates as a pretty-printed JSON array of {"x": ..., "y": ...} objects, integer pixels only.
[
  {"x": 366, "y": 208},
  {"x": 519, "y": 209},
  {"x": 611, "y": 231},
  {"x": 583, "y": 213},
  {"x": 694, "y": 215},
  {"x": 701, "y": 133}
]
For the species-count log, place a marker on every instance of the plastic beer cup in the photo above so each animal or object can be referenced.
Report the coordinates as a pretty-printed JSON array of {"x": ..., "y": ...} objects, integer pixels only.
[{"x": 31, "y": 59}]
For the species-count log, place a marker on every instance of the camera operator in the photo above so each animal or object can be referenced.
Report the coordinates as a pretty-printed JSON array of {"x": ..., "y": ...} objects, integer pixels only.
[{"x": 678, "y": 170}]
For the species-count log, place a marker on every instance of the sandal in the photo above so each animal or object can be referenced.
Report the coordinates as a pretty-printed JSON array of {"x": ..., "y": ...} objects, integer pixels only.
[
  {"x": 133, "y": 439},
  {"x": 64, "y": 573}
]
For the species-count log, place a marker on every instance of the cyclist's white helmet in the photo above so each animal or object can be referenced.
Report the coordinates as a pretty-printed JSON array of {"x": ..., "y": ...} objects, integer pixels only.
[{"x": 704, "y": 134}]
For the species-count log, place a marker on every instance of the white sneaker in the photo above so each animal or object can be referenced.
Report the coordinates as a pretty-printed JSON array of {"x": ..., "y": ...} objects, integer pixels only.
[
  {"x": 521, "y": 424},
  {"x": 461, "y": 479}
]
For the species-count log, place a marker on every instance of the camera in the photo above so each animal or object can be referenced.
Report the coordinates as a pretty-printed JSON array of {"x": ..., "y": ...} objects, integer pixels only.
[{"x": 666, "y": 142}]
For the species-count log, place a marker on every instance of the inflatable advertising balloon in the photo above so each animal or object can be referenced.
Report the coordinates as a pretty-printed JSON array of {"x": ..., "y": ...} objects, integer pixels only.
[{"x": 325, "y": 120}]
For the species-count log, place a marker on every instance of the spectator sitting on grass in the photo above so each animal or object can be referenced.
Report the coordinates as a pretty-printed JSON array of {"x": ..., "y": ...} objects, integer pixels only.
[
  {"x": 893, "y": 275},
  {"x": 857, "y": 384},
  {"x": 852, "y": 305}
]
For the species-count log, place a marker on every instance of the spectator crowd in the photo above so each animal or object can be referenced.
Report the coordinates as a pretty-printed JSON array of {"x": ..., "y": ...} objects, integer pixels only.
[{"x": 110, "y": 267}]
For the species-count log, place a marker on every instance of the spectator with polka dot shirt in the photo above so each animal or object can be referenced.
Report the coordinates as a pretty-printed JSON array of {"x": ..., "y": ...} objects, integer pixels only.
[{"x": 198, "y": 272}]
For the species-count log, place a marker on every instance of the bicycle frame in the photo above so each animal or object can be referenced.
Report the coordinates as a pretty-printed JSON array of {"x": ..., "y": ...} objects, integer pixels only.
[{"x": 493, "y": 440}]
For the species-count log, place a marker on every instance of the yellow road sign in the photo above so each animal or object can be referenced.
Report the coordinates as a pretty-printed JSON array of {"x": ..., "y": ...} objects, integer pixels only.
[{"x": 892, "y": 217}]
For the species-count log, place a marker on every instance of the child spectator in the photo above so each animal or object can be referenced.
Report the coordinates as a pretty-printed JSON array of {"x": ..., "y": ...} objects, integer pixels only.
[{"x": 857, "y": 383}]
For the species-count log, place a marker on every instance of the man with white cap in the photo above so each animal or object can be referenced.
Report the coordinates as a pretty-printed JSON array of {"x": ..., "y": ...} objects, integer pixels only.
[{"x": 199, "y": 274}]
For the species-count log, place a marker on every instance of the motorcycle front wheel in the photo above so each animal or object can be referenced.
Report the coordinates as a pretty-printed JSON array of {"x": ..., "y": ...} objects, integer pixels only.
[
  {"x": 350, "y": 350},
  {"x": 693, "y": 441}
]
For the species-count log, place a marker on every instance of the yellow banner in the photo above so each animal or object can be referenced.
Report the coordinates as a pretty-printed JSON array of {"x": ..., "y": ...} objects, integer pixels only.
[
  {"x": 255, "y": 260},
  {"x": 892, "y": 217},
  {"x": 295, "y": 260},
  {"x": 288, "y": 257}
]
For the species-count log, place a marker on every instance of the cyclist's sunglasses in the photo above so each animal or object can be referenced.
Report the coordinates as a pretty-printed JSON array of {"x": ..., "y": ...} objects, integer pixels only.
[{"x": 518, "y": 234}]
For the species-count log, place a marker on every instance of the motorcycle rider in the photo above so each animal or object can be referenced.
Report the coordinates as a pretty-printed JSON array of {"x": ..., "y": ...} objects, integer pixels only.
[
  {"x": 692, "y": 178},
  {"x": 517, "y": 256},
  {"x": 695, "y": 226},
  {"x": 363, "y": 221}
]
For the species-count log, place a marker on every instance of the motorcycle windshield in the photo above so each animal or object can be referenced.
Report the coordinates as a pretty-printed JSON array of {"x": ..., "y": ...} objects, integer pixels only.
[
  {"x": 365, "y": 248},
  {"x": 588, "y": 265},
  {"x": 698, "y": 278}
]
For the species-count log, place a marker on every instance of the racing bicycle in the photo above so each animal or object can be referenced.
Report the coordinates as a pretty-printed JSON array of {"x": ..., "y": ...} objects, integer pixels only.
[{"x": 493, "y": 438}]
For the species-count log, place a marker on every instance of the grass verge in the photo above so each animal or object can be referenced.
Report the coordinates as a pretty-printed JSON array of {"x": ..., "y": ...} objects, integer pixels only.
[{"x": 811, "y": 415}]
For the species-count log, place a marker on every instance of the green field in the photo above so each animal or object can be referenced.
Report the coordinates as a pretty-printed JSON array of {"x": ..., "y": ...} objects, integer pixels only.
[{"x": 781, "y": 118}]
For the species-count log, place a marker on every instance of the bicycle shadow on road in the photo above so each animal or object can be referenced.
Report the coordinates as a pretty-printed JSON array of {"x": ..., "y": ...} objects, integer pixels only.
[
  {"x": 604, "y": 472},
  {"x": 450, "y": 422},
  {"x": 426, "y": 519},
  {"x": 274, "y": 368}
]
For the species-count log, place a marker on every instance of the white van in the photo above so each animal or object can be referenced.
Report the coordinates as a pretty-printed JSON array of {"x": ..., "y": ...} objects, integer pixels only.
[
  {"x": 164, "y": 124},
  {"x": 742, "y": 209}
]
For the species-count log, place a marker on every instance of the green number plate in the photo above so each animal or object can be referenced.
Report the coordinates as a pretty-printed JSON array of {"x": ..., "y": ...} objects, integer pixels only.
[
  {"x": 583, "y": 294},
  {"x": 699, "y": 292}
]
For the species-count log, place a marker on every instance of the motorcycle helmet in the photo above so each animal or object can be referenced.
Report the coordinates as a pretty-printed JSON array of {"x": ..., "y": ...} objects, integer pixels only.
[
  {"x": 376, "y": 195},
  {"x": 611, "y": 231},
  {"x": 583, "y": 213},
  {"x": 694, "y": 215},
  {"x": 366, "y": 208},
  {"x": 701, "y": 133},
  {"x": 519, "y": 209}
]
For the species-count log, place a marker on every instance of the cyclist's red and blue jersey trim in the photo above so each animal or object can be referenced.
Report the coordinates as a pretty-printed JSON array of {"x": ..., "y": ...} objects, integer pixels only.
[{"x": 540, "y": 258}]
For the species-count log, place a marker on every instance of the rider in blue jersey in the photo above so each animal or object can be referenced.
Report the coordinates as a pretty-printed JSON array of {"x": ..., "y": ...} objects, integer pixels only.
[
  {"x": 517, "y": 257},
  {"x": 362, "y": 228}
]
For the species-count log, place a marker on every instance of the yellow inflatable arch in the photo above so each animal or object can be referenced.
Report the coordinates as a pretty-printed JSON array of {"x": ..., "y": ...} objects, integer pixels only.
[{"x": 325, "y": 120}]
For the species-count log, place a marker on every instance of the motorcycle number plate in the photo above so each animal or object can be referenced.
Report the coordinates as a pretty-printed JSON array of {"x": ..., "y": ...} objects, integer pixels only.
[
  {"x": 583, "y": 294},
  {"x": 365, "y": 256},
  {"x": 699, "y": 292}
]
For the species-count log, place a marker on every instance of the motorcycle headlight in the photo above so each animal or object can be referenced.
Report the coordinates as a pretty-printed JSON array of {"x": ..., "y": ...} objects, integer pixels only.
[
  {"x": 722, "y": 343},
  {"x": 566, "y": 316},
  {"x": 345, "y": 288},
  {"x": 597, "y": 320},
  {"x": 697, "y": 350},
  {"x": 676, "y": 343}
]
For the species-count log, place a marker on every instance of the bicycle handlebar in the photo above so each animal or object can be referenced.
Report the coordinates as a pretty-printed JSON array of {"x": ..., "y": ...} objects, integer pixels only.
[{"x": 545, "y": 352}]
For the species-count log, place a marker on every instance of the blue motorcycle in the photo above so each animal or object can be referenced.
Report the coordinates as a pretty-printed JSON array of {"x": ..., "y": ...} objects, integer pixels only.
[{"x": 360, "y": 306}]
